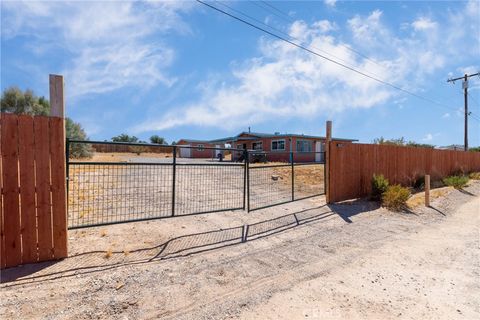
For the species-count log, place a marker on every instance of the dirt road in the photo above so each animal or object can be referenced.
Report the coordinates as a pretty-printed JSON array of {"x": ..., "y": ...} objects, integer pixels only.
[
  {"x": 303, "y": 260},
  {"x": 430, "y": 274}
]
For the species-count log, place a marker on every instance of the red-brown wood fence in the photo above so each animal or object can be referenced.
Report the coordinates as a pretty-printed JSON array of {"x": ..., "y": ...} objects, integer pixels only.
[
  {"x": 352, "y": 166},
  {"x": 33, "y": 195}
]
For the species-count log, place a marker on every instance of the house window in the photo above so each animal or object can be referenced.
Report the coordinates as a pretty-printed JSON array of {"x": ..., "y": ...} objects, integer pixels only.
[
  {"x": 278, "y": 145},
  {"x": 200, "y": 147},
  {"x": 239, "y": 146},
  {"x": 257, "y": 146},
  {"x": 304, "y": 146}
]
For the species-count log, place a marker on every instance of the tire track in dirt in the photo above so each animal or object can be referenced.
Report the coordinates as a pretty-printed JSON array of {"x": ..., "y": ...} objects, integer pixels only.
[{"x": 282, "y": 280}]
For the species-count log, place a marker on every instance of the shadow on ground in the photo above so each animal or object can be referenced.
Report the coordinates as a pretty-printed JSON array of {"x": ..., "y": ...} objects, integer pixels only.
[{"x": 182, "y": 246}]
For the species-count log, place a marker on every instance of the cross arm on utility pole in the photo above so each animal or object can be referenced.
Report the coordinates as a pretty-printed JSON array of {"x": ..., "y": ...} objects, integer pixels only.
[{"x": 463, "y": 77}]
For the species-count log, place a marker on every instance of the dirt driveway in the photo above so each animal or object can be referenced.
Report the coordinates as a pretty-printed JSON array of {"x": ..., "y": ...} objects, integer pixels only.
[
  {"x": 301, "y": 260},
  {"x": 136, "y": 189}
]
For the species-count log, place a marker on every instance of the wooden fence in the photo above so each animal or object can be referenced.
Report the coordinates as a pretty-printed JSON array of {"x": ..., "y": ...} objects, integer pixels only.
[
  {"x": 351, "y": 166},
  {"x": 33, "y": 195}
]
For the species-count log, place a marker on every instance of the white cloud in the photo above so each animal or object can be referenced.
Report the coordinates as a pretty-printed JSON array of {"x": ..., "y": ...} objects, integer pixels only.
[
  {"x": 110, "y": 42},
  {"x": 366, "y": 28},
  {"x": 286, "y": 82},
  {"x": 331, "y": 3},
  {"x": 325, "y": 26},
  {"x": 428, "y": 137},
  {"x": 423, "y": 24},
  {"x": 99, "y": 70},
  {"x": 473, "y": 8},
  {"x": 446, "y": 115}
]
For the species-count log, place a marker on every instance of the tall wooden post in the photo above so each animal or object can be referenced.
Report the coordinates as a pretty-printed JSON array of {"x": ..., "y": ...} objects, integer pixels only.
[
  {"x": 57, "y": 102},
  {"x": 327, "y": 161},
  {"x": 58, "y": 163}
]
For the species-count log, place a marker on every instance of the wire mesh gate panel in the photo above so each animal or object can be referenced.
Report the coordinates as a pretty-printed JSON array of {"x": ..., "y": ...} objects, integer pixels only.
[
  {"x": 202, "y": 188},
  {"x": 142, "y": 182},
  {"x": 279, "y": 177},
  {"x": 111, "y": 182}
]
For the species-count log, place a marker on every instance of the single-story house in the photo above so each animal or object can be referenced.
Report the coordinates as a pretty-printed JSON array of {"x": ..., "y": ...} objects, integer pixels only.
[
  {"x": 459, "y": 147},
  {"x": 276, "y": 146}
]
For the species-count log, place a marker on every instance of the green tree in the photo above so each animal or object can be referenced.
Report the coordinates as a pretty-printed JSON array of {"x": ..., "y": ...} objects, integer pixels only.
[
  {"x": 476, "y": 149},
  {"x": 124, "y": 138},
  {"x": 14, "y": 100},
  {"x": 419, "y": 145},
  {"x": 395, "y": 142},
  {"x": 401, "y": 142},
  {"x": 157, "y": 139}
]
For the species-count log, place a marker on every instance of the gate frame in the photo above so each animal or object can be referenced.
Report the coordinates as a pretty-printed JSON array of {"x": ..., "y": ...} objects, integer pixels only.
[{"x": 174, "y": 164}]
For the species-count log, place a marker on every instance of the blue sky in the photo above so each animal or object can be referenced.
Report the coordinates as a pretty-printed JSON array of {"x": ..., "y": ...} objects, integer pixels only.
[{"x": 182, "y": 70}]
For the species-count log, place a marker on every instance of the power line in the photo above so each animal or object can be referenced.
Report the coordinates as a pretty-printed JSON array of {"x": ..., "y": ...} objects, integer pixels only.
[
  {"x": 347, "y": 47},
  {"x": 471, "y": 97},
  {"x": 276, "y": 9},
  {"x": 288, "y": 19},
  {"x": 287, "y": 35},
  {"x": 344, "y": 46},
  {"x": 324, "y": 57},
  {"x": 474, "y": 115}
]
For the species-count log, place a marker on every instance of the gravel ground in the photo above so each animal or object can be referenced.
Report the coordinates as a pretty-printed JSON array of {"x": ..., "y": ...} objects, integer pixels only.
[{"x": 300, "y": 260}]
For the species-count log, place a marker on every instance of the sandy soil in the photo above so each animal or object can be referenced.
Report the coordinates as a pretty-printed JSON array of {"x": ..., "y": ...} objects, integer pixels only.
[
  {"x": 432, "y": 273},
  {"x": 296, "y": 261}
]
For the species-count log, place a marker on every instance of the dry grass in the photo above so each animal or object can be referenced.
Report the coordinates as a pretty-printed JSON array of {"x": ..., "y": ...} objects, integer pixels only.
[
  {"x": 122, "y": 156},
  {"x": 304, "y": 175},
  {"x": 418, "y": 199},
  {"x": 85, "y": 188},
  {"x": 474, "y": 176},
  {"x": 260, "y": 164},
  {"x": 108, "y": 254}
]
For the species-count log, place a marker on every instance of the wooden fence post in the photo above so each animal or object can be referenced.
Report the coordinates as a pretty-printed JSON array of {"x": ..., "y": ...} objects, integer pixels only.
[
  {"x": 57, "y": 148},
  {"x": 427, "y": 190},
  {"x": 327, "y": 162},
  {"x": 57, "y": 102}
]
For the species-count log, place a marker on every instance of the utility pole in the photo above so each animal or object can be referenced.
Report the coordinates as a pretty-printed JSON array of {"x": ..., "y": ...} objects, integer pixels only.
[{"x": 465, "y": 93}]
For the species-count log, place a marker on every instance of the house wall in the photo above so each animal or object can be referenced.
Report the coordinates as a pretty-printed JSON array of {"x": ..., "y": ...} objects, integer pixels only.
[
  {"x": 195, "y": 153},
  {"x": 284, "y": 155}
]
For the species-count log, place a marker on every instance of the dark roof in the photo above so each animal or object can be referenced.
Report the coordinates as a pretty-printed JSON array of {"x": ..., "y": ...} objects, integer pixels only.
[
  {"x": 275, "y": 135},
  {"x": 194, "y": 141},
  {"x": 257, "y": 135}
]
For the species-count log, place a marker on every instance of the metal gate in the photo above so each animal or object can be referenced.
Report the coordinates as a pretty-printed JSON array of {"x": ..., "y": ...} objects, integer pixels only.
[
  {"x": 276, "y": 178},
  {"x": 126, "y": 182},
  {"x": 116, "y": 182}
]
